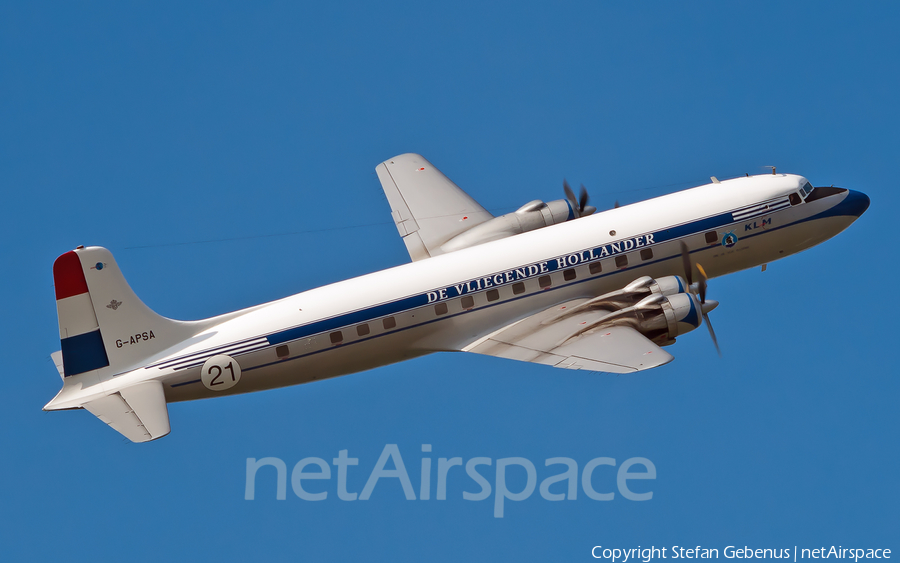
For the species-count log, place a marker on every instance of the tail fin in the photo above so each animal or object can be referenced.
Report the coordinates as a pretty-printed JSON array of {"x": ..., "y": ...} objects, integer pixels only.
[{"x": 102, "y": 323}]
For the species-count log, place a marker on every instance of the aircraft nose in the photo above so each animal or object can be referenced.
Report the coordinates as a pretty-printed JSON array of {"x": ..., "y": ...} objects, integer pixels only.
[{"x": 855, "y": 204}]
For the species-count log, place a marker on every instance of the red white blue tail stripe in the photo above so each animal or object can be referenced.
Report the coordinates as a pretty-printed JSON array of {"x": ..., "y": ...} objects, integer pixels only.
[{"x": 79, "y": 331}]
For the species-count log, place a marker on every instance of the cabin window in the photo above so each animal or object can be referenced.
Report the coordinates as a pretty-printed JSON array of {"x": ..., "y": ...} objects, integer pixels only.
[
  {"x": 647, "y": 254},
  {"x": 795, "y": 199},
  {"x": 493, "y": 295},
  {"x": 518, "y": 288},
  {"x": 389, "y": 323},
  {"x": 337, "y": 337},
  {"x": 596, "y": 268},
  {"x": 440, "y": 309},
  {"x": 712, "y": 237},
  {"x": 569, "y": 275},
  {"x": 468, "y": 302},
  {"x": 362, "y": 330},
  {"x": 621, "y": 261},
  {"x": 544, "y": 282},
  {"x": 282, "y": 351}
]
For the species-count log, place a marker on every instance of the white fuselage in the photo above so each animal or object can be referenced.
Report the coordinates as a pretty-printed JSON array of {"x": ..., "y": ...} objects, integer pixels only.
[{"x": 447, "y": 302}]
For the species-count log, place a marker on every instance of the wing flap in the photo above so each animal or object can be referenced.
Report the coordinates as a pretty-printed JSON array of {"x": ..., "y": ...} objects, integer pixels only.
[
  {"x": 614, "y": 347},
  {"x": 138, "y": 412},
  {"x": 556, "y": 338}
]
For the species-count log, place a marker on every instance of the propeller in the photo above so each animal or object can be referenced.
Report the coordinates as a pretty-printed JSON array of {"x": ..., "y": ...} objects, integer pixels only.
[
  {"x": 701, "y": 292},
  {"x": 579, "y": 206}
]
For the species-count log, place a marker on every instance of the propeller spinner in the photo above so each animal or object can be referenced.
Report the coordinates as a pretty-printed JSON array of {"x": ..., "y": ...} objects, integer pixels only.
[{"x": 579, "y": 206}]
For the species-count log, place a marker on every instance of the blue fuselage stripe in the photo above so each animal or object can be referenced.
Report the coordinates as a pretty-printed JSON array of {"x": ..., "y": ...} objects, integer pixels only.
[
  {"x": 476, "y": 285},
  {"x": 360, "y": 316},
  {"x": 408, "y": 303}
]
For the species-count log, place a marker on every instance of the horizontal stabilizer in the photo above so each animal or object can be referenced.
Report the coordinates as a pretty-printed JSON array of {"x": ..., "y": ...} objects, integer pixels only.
[{"x": 138, "y": 412}]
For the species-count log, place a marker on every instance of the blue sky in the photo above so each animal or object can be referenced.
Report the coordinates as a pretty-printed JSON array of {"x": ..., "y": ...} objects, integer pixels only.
[{"x": 150, "y": 127}]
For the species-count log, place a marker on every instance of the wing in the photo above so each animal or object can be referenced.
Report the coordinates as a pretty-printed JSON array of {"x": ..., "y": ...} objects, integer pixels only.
[
  {"x": 427, "y": 207},
  {"x": 557, "y": 338}
]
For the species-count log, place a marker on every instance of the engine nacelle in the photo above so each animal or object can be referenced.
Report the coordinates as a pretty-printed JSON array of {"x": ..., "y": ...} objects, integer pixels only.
[
  {"x": 533, "y": 215},
  {"x": 661, "y": 317},
  {"x": 683, "y": 313},
  {"x": 637, "y": 290},
  {"x": 667, "y": 285}
]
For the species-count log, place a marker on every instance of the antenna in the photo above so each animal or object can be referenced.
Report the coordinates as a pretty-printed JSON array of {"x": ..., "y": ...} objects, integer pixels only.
[{"x": 772, "y": 167}]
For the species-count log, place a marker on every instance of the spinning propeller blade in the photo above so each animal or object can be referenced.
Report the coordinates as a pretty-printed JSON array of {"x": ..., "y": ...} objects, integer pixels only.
[
  {"x": 701, "y": 292},
  {"x": 712, "y": 334},
  {"x": 702, "y": 283},
  {"x": 580, "y": 207},
  {"x": 686, "y": 263},
  {"x": 582, "y": 199}
]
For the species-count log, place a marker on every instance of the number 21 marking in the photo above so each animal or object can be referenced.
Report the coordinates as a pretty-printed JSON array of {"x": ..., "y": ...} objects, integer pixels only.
[
  {"x": 215, "y": 380},
  {"x": 220, "y": 373}
]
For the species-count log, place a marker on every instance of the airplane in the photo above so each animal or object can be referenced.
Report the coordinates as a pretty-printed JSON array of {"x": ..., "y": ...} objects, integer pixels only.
[{"x": 556, "y": 283}]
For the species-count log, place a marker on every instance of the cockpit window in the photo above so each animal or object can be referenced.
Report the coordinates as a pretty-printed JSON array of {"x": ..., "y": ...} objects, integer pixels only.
[{"x": 807, "y": 189}]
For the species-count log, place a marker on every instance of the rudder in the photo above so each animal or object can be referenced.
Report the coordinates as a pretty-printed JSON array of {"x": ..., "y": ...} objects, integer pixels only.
[{"x": 79, "y": 331}]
